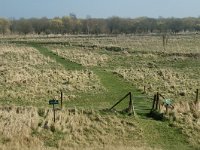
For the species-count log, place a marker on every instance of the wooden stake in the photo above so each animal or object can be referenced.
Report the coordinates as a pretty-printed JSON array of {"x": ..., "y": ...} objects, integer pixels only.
[
  {"x": 154, "y": 102},
  {"x": 197, "y": 96},
  {"x": 61, "y": 99},
  {"x": 144, "y": 89},
  {"x": 54, "y": 113},
  {"x": 167, "y": 108},
  {"x": 157, "y": 102},
  {"x": 130, "y": 108}
]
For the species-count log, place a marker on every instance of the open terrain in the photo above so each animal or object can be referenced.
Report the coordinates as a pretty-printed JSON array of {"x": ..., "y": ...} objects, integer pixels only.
[{"x": 94, "y": 72}]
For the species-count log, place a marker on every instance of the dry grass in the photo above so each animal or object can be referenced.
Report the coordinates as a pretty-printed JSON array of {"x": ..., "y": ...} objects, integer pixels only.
[
  {"x": 168, "y": 82},
  {"x": 32, "y": 128},
  {"x": 82, "y": 56},
  {"x": 28, "y": 76},
  {"x": 16, "y": 128},
  {"x": 186, "y": 115}
]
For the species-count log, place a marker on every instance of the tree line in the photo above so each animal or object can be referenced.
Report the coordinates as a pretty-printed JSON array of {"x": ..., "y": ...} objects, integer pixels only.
[{"x": 113, "y": 25}]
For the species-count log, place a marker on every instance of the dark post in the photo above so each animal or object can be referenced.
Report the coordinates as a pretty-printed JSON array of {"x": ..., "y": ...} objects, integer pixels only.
[
  {"x": 167, "y": 106},
  {"x": 53, "y": 102},
  {"x": 130, "y": 108},
  {"x": 54, "y": 114},
  {"x": 154, "y": 102},
  {"x": 144, "y": 89},
  {"x": 61, "y": 99},
  {"x": 197, "y": 96},
  {"x": 157, "y": 102}
]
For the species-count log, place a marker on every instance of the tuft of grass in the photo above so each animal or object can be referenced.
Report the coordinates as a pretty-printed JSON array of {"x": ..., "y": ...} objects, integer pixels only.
[{"x": 41, "y": 112}]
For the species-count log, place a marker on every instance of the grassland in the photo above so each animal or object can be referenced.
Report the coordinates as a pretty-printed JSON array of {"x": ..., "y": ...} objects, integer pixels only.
[
  {"x": 29, "y": 78},
  {"x": 93, "y": 73}
]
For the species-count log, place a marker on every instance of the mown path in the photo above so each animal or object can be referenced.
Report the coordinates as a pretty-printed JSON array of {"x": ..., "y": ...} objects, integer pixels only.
[
  {"x": 115, "y": 86},
  {"x": 158, "y": 134}
]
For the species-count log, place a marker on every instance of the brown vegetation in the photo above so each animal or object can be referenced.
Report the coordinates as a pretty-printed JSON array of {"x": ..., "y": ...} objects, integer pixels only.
[
  {"x": 186, "y": 115},
  {"x": 28, "y": 76},
  {"x": 86, "y": 58},
  {"x": 33, "y": 128},
  {"x": 170, "y": 82}
]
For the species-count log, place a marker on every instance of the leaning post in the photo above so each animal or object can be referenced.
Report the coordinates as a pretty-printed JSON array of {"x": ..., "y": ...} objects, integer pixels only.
[{"x": 119, "y": 101}]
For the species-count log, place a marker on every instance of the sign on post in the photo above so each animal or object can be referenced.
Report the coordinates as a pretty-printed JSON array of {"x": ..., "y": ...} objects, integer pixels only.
[{"x": 53, "y": 102}]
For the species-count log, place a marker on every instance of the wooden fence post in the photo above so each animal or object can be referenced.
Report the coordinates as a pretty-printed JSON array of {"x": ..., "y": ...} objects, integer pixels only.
[
  {"x": 144, "y": 89},
  {"x": 197, "y": 96},
  {"x": 154, "y": 102},
  {"x": 54, "y": 114},
  {"x": 157, "y": 102},
  {"x": 61, "y": 99},
  {"x": 167, "y": 109},
  {"x": 130, "y": 108}
]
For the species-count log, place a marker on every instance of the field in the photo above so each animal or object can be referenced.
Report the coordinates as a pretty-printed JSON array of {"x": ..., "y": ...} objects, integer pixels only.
[{"x": 94, "y": 72}]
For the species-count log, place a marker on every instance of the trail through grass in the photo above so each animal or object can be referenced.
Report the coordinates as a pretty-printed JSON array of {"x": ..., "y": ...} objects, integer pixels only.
[
  {"x": 157, "y": 133},
  {"x": 69, "y": 65},
  {"x": 110, "y": 81}
]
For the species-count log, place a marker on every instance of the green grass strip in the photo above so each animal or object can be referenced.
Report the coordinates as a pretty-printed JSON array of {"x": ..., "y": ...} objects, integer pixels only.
[{"x": 69, "y": 65}]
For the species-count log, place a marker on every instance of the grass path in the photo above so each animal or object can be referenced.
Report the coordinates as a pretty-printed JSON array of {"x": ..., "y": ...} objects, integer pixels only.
[
  {"x": 157, "y": 134},
  {"x": 110, "y": 81},
  {"x": 67, "y": 64}
]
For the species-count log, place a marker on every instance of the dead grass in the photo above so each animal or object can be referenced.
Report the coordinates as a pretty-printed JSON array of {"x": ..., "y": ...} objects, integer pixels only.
[
  {"x": 28, "y": 76},
  {"x": 82, "y": 56},
  {"x": 169, "y": 82},
  {"x": 16, "y": 127},
  {"x": 186, "y": 115},
  {"x": 24, "y": 128}
]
